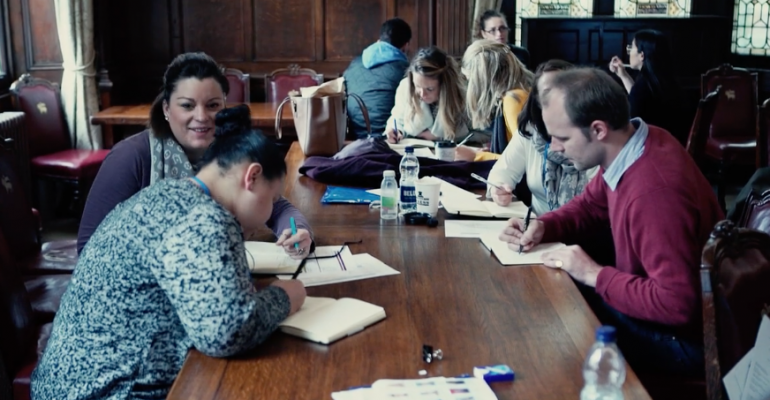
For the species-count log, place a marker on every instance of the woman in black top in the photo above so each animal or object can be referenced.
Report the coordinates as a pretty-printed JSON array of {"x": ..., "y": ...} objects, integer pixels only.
[{"x": 654, "y": 96}]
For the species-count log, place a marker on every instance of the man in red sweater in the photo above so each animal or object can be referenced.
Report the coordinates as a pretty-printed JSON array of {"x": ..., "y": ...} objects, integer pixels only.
[{"x": 661, "y": 210}]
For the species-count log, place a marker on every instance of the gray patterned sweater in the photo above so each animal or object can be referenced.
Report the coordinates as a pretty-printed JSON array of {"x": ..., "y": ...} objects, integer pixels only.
[{"x": 166, "y": 271}]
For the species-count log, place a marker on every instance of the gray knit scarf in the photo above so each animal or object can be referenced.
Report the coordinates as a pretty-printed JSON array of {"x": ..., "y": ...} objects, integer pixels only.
[
  {"x": 561, "y": 180},
  {"x": 168, "y": 160}
]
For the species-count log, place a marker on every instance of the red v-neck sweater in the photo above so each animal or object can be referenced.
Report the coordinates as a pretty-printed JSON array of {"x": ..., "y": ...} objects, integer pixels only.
[{"x": 661, "y": 214}]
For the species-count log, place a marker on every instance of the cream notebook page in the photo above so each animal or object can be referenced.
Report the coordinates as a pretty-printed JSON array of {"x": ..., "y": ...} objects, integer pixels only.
[
  {"x": 324, "y": 320},
  {"x": 508, "y": 256}
]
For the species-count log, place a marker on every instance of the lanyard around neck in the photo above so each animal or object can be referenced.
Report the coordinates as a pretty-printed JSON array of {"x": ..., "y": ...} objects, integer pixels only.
[{"x": 202, "y": 185}]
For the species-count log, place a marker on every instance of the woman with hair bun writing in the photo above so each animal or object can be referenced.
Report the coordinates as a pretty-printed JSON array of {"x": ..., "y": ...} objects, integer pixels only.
[{"x": 166, "y": 271}]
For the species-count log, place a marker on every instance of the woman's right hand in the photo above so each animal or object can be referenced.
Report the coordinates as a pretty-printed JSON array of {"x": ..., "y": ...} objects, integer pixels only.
[
  {"x": 502, "y": 197},
  {"x": 296, "y": 291},
  {"x": 616, "y": 66},
  {"x": 394, "y": 136}
]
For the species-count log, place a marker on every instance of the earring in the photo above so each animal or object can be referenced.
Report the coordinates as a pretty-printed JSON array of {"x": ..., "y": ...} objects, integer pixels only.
[{"x": 166, "y": 115}]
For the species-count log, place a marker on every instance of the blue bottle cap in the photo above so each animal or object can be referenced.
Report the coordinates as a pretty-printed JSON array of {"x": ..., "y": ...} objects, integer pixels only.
[
  {"x": 409, "y": 149},
  {"x": 606, "y": 334}
]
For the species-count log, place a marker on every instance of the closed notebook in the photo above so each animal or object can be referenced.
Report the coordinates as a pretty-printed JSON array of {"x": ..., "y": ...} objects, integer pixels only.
[
  {"x": 325, "y": 320},
  {"x": 465, "y": 205}
]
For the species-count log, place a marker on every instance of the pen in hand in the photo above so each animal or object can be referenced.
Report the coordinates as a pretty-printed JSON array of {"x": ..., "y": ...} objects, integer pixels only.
[
  {"x": 526, "y": 226},
  {"x": 294, "y": 232},
  {"x": 494, "y": 185},
  {"x": 395, "y": 127},
  {"x": 462, "y": 142}
]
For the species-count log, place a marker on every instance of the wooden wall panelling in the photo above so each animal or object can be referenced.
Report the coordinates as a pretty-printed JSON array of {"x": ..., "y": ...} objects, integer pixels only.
[
  {"x": 351, "y": 25},
  {"x": 285, "y": 31},
  {"x": 453, "y": 25},
  {"x": 223, "y": 30},
  {"x": 35, "y": 38}
]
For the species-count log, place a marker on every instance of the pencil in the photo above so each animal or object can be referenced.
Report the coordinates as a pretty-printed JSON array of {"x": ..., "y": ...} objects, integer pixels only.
[
  {"x": 462, "y": 142},
  {"x": 526, "y": 226}
]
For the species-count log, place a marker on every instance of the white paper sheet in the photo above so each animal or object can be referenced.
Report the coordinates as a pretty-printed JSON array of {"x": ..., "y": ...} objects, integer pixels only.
[
  {"x": 357, "y": 267},
  {"x": 472, "y": 228},
  {"x": 511, "y": 257},
  {"x": 757, "y": 385}
]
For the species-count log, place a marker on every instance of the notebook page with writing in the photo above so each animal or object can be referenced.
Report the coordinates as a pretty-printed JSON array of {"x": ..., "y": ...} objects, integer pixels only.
[
  {"x": 325, "y": 320},
  {"x": 267, "y": 258},
  {"x": 507, "y": 256},
  {"x": 516, "y": 209},
  {"x": 464, "y": 205}
]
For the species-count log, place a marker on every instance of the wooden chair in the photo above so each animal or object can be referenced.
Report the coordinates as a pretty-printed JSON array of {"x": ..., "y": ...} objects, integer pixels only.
[
  {"x": 735, "y": 275},
  {"x": 240, "y": 91},
  {"x": 701, "y": 124},
  {"x": 280, "y": 82},
  {"x": 733, "y": 133},
  {"x": 756, "y": 212},
  {"x": 763, "y": 141},
  {"x": 52, "y": 156}
]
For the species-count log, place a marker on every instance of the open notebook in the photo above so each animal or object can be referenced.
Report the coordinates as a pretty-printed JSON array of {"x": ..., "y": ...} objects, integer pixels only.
[
  {"x": 465, "y": 205},
  {"x": 412, "y": 142},
  {"x": 325, "y": 320},
  {"x": 508, "y": 256},
  {"x": 267, "y": 258}
]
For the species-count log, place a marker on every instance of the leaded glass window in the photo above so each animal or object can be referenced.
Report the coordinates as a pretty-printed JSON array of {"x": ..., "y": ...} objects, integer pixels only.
[
  {"x": 750, "y": 27},
  {"x": 652, "y": 8},
  {"x": 551, "y": 8}
]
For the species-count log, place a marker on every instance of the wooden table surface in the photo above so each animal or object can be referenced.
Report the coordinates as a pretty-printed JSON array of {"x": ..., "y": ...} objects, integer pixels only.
[{"x": 451, "y": 294}]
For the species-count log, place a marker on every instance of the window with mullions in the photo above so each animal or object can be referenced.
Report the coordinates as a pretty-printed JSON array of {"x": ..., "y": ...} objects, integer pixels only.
[
  {"x": 750, "y": 27},
  {"x": 551, "y": 8},
  {"x": 652, "y": 8}
]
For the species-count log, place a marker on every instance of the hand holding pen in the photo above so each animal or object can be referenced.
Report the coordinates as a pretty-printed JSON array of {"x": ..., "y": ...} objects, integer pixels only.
[
  {"x": 502, "y": 194},
  {"x": 520, "y": 235},
  {"x": 394, "y": 136},
  {"x": 296, "y": 242}
]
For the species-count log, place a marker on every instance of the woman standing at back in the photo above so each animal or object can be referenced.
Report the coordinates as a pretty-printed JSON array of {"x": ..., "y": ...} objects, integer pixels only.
[
  {"x": 654, "y": 96},
  {"x": 498, "y": 88},
  {"x": 430, "y": 101}
]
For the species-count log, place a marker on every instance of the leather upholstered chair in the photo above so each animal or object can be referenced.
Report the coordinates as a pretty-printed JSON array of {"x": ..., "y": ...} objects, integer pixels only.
[
  {"x": 240, "y": 91},
  {"x": 756, "y": 212},
  {"x": 280, "y": 82},
  {"x": 45, "y": 268},
  {"x": 763, "y": 141},
  {"x": 734, "y": 129},
  {"x": 22, "y": 338},
  {"x": 51, "y": 151},
  {"x": 701, "y": 125},
  {"x": 735, "y": 275}
]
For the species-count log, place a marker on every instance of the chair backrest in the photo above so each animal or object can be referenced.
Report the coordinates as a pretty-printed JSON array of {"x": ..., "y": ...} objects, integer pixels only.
[
  {"x": 280, "y": 82},
  {"x": 756, "y": 212},
  {"x": 17, "y": 222},
  {"x": 763, "y": 141},
  {"x": 699, "y": 132},
  {"x": 16, "y": 317},
  {"x": 240, "y": 91},
  {"x": 736, "y": 114},
  {"x": 40, "y": 100},
  {"x": 735, "y": 275}
]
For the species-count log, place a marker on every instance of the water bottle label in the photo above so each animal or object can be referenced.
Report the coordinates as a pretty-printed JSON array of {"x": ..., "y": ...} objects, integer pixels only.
[
  {"x": 408, "y": 195},
  {"x": 388, "y": 202}
]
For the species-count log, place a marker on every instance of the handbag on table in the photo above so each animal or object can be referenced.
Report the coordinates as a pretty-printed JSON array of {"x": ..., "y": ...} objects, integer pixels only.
[{"x": 320, "y": 117}]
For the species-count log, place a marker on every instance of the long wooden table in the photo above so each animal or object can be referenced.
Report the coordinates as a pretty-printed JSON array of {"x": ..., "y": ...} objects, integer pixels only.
[
  {"x": 451, "y": 294},
  {"x": 262, "y": 116}
]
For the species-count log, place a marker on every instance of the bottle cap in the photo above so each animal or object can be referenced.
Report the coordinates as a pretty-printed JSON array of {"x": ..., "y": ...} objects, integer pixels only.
[
  {"x": 409, "y": 149},
  {"x": 445, "y": 144},
  {"x": 606, "y": 334},
  {"x": 388, "y": 173}
]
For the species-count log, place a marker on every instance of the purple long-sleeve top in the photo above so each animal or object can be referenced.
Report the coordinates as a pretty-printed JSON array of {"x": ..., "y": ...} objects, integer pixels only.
[{"x": 126, "y": 170}]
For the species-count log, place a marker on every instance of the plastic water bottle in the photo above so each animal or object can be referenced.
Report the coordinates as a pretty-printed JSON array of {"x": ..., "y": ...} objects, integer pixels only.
[
  {"x": 410, "y": 171},
  {"x": 604, "y": 370},
  {"x": 389, "y": 196}
]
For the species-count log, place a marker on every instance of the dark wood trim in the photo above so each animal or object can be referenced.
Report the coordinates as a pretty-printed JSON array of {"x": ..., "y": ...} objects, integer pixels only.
[
  {"x": 28, "y": 46},
  {"x": 175, "y": 25},
  {"x": 7, "y": 47}
]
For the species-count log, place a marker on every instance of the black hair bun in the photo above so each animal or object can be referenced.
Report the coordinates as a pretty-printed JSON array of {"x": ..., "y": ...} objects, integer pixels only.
[{"x": 233, "y": 120}]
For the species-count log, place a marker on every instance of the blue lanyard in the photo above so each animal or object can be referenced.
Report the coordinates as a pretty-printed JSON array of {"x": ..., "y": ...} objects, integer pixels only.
[
  {"x": 545, "y": 188},
  {"x": 202, "y": 185}
]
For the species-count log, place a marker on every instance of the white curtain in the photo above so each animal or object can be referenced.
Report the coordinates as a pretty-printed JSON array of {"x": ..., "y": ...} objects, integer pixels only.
[
  {"x": 75, "y": 23},
  {"x": 479, "y": 6}
]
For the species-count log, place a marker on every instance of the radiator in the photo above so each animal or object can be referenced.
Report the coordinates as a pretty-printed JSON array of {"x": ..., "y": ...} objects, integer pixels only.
[{"x": 13, "y": 136}]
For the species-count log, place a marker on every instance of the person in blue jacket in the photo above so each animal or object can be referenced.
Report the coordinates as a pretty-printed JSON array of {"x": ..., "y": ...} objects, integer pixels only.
[{"x": 375, "y": 75}]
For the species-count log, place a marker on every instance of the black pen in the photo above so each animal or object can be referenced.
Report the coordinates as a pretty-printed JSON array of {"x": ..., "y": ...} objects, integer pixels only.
[
  {"x": 526, "y": 226},
  {"x": 299, "y": 269}
]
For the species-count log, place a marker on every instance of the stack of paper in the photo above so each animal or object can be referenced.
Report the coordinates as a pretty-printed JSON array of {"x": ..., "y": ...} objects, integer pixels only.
[
  {"x": 507, "y": 256},
  {"x": 411, "y": 142},
  {"x": 750, "y": 378},
  {"x": 439, "y": 388},
  {"x": 478, "y": 208}
]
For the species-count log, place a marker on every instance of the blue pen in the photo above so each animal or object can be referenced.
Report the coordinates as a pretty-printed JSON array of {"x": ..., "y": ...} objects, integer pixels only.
[
  {"x": 294, "y": 231},
  {"x": 395, "y": 125}
]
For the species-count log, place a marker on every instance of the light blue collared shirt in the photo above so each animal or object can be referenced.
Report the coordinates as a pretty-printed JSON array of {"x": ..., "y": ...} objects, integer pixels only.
[{"x": 631, "y": 151}]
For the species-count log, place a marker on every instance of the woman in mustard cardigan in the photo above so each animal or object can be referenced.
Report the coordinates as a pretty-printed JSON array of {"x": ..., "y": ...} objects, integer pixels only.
[{"x": 498, "y": 87}]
